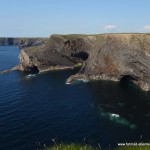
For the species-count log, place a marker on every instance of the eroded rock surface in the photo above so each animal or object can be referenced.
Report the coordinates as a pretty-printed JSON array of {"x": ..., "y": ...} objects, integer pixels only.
[
  {"x": 56, "y": 53},
  {"x": 21, "y": 42},
  {"x": 105, "y": 57}
]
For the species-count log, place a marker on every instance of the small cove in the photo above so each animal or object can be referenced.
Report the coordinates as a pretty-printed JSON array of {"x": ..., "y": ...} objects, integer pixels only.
[{"x": 36, "y": 109}]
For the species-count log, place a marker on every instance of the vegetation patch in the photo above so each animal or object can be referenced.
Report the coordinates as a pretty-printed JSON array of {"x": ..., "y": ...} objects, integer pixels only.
[
  {"x": 78, "y": 65},
  {"x": 71, "y": 147},
  {"x": 133, "y": 148},
  {"x": 88, "y": 147},
  {"x": 74, "y": 36}
]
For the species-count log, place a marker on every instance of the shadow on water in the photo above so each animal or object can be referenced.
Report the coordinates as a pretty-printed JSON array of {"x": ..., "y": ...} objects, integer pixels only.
[
  {"x": 119, "y": 107},
  {"x": 122, "y": 106},
  {"x": 35, "y": 108},
  {"x": 117, "y": 112},
  {"x": 60, "y": 76}
]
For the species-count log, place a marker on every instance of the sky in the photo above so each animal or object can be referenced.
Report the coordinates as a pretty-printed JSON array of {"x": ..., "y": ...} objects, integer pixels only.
[{"x": 41, "y": 18}]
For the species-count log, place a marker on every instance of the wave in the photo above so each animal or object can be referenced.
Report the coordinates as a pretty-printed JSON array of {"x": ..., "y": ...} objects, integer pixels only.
[{"x": 117, "y": 119}]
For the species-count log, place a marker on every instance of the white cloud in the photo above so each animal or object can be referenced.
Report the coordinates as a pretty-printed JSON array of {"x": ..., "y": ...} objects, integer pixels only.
[
  {"x": 110, "y": 27},
  {"x": 146, "y": 28}
]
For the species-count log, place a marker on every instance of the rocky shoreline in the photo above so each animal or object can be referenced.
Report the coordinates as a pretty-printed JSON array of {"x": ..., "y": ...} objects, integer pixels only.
[
  {"x": 85, "y": 78},
  {"x": 113, "y": 57}
]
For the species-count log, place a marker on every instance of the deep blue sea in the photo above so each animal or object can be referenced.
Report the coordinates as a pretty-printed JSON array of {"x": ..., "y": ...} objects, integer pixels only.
[{"x": 36, "y": 109}]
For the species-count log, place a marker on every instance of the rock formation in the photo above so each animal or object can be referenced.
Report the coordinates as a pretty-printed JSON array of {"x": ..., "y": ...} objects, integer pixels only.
[
  {"x": 21, "y": 42},
  {"x": 104, "y": 57},
  {"x": 55, "y": 54}
]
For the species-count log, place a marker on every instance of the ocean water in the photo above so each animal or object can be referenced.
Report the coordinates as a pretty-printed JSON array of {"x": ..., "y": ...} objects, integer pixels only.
[{"x": 34, "y": 109}]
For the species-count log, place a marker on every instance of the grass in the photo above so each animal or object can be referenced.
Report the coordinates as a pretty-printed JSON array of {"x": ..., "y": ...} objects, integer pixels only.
[
  {"x": 71, "y": 147},
  {"x": 78, "y": 65},
  {"x": 133, "y": 148},
  {"x": 88, "y": 147},
  {"x": 74, "y": 36}
]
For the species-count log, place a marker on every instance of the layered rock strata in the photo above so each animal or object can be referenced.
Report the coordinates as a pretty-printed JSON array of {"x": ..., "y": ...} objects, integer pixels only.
[{"x": 104, "y": 57}]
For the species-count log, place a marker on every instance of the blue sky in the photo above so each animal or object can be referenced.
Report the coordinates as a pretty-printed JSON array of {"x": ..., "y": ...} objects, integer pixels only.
[{"x": 41, "y": 18}]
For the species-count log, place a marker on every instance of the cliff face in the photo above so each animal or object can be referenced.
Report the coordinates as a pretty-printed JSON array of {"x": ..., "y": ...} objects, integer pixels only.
[
  {"x": 121, "y": 57},
  {"x": 106, "y": 56},
  {"x": 56, "y": 53},
  {"x": 21, "y": 42}
]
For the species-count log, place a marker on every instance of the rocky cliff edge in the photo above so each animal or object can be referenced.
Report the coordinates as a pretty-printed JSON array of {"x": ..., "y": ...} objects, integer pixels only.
[{"x": 104, "y": 57}]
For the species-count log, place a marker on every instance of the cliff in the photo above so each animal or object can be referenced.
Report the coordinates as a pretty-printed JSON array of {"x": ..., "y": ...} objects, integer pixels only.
[
  {"x": 104, "y": 57},
  {"x": 56, "y": 53},
  {"x": 119, "y": 57},
  {"x": 21, "y": 42}
]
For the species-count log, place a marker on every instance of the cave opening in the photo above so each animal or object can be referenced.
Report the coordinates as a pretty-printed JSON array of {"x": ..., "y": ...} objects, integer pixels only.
[
  {"x": 33, "y": 69},
  {"x": 81, "y": 55},
  {"x": 127, "y": 80}
]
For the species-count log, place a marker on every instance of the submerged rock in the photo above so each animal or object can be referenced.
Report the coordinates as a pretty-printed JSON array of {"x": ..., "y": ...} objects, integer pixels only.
[{"x": 117, "y": 119}]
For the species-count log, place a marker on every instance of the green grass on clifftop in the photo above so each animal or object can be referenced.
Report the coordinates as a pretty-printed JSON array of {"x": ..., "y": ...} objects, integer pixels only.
[
  {"x": 71, "y": 147},
  {"x": 133, "y": 148},
  {"x": 88, "y": 147}
]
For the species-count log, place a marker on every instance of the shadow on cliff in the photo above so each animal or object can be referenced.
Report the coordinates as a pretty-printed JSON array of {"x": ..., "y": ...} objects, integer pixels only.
[{"x": 81, "y": 55}]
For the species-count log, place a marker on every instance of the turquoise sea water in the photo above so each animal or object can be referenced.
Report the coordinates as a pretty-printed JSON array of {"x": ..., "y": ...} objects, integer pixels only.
[{"x": 36, "y": 109}]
